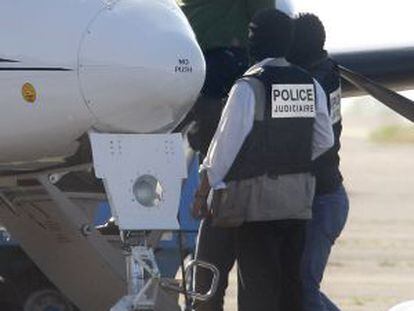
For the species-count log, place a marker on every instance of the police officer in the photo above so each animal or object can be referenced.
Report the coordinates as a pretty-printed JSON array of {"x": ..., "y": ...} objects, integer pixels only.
[
  {"x": 259, "y": 164},
  {"x": 330, "y": 206}
]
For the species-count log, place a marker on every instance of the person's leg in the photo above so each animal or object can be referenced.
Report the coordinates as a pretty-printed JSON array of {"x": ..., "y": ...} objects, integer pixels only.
[
  {"x": 216, "y": 246},
  {"x": 259, "y": 271},
  {"x": 315, "y": 258},
  {"x": 330, "y": 212},
  {"x": 293, "y": 233}
]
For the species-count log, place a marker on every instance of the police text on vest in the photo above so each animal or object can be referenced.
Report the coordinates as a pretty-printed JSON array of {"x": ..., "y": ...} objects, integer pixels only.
[{"x": 293, "y": 101}]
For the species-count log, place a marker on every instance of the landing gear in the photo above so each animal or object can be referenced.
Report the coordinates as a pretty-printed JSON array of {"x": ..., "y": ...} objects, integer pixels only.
[
  {"x": 146, "y": 289},
  {"x": 143, "y": 175}
]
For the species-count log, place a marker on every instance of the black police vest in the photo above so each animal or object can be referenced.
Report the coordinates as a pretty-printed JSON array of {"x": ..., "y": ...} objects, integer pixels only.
[
  {"x": 326, "y": 167},
  {"x": 279, "y": 142}
]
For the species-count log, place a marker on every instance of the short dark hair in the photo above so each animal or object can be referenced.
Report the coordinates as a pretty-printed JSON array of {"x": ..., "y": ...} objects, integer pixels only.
[
  {"x": 270, "y": 34},
  {"x": 309, "y": 39}
]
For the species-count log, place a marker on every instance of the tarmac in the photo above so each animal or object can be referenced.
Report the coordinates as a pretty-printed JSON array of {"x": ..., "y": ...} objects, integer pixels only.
[{"x": 372, "y": 264}]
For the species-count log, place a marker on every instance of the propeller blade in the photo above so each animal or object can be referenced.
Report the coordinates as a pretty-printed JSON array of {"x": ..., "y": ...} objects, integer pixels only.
[{"x": 400, "y": 104}]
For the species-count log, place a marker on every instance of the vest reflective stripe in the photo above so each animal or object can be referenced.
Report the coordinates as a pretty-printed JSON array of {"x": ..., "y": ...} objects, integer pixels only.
[
  {"x": 334, "y": 102},
  {"x": 281, "y": 138}
]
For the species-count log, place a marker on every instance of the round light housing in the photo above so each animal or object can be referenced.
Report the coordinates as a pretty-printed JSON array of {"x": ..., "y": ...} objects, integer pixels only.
[{"x": 148, "y": 191}]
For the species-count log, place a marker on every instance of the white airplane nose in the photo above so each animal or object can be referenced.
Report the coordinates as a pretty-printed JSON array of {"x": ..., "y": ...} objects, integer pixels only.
[{"x": 140, "y": 67}]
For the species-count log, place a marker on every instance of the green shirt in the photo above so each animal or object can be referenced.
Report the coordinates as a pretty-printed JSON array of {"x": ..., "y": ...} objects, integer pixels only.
[{"x": 222, "y": 23}]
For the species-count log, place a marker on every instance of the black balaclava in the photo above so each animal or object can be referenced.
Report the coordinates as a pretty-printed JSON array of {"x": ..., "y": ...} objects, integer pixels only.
[
  {"x": 309, "y": 40},
  {"x": 270, "y": 34}
]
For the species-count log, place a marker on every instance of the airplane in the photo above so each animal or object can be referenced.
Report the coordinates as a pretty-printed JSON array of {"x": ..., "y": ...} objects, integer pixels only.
[
  {"x": 91, "y": 92},
  {"x": 123, "y": 71}
]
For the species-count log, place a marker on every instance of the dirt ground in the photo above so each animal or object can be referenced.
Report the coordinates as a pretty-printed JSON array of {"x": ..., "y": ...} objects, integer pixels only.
[{"x": 372, "y": 265}]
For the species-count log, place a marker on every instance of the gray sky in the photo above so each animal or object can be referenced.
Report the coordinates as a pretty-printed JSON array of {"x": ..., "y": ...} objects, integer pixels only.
[{"x": 361, "y": 24}]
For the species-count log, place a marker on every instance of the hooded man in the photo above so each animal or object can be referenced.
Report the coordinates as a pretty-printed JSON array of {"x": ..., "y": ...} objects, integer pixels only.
[{"x": 331, "y": 205}]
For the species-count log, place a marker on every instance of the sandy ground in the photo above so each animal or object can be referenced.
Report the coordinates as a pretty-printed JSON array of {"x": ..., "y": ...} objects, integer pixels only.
[{"x": 372, "y": 264}]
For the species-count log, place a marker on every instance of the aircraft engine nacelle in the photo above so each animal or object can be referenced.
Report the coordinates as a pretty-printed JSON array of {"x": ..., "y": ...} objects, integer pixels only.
[
  {"x": 130, "y": 66},
  {"x": 139, "y": 53}
]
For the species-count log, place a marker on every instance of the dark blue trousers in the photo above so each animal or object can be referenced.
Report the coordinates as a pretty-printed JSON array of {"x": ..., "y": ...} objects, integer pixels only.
[{"x": 330, "y": 213}]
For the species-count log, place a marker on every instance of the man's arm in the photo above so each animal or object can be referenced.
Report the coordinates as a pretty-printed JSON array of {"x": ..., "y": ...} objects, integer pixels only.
[
  {"x": 200, "y": 208},
  {"x": 235, "y": 124},
  {"x": 323, "y": 138}
]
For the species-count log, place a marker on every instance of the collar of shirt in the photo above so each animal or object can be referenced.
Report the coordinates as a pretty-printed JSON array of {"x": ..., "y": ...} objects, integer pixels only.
[{"x": 282, "y": 62}]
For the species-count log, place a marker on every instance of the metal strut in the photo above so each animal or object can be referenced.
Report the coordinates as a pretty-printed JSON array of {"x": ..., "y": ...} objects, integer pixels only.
[{"x": 147, "y": 291}]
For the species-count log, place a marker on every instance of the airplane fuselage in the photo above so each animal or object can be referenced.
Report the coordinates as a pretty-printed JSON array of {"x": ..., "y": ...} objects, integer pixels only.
[{"x": 129, "y": 66}]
